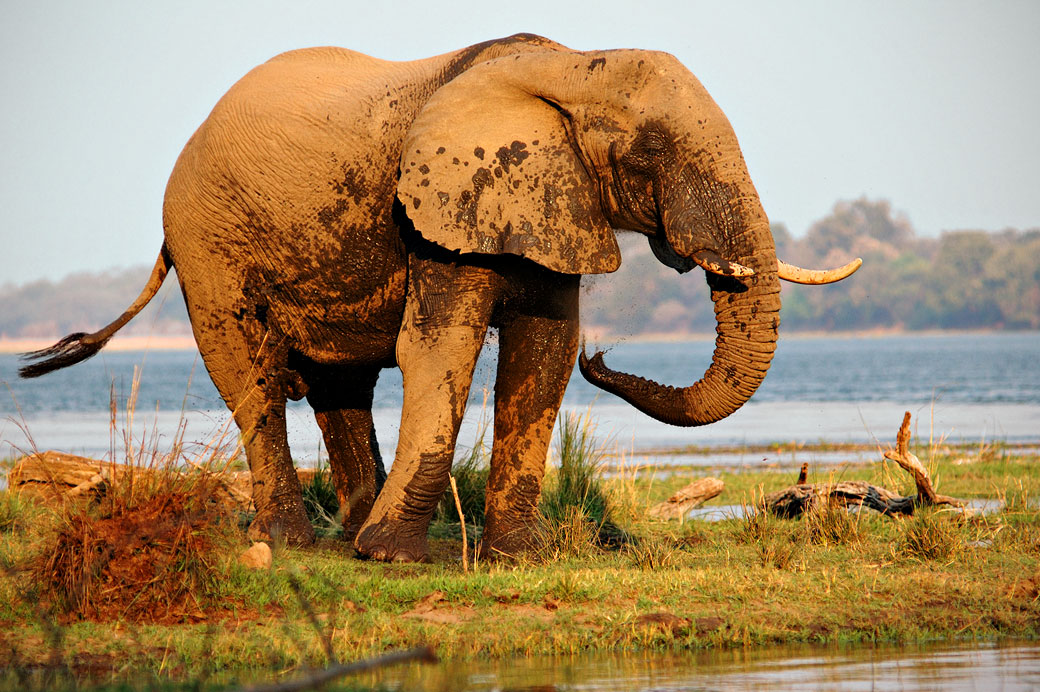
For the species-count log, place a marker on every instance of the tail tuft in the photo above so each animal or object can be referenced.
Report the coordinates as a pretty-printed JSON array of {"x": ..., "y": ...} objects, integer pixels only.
[{"x": 69, "y": 351}]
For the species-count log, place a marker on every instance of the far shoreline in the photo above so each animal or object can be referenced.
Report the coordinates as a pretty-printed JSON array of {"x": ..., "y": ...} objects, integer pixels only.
[
  {"x": 186, "y": 342},
  {"x": 181, "y": 342}
]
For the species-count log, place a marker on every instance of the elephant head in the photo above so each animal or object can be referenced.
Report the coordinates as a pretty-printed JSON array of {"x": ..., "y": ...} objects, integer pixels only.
[{"x": 543, "y": 154}]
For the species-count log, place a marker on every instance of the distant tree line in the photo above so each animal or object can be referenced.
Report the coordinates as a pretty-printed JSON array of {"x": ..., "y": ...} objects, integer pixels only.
[
  {"x": 960, "y": 280},
  {"x": 83, "y": 302}
]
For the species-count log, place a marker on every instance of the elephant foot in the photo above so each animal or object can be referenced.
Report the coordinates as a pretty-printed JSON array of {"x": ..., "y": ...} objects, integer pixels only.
[
  {"x": 284, "y": 527},
  {"x": 392, "y": 541},
  {"x": 510, "y": 540}
]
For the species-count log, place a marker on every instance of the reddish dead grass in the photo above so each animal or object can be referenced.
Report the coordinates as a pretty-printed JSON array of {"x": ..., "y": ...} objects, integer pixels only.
[{"x": 150, "y": 562}]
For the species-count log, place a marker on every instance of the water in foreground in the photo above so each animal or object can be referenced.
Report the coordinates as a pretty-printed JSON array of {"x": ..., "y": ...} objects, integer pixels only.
[{"x": 974, "y": 666}]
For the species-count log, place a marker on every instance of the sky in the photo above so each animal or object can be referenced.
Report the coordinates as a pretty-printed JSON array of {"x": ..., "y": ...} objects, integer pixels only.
[{"x": 932, "y": 105}]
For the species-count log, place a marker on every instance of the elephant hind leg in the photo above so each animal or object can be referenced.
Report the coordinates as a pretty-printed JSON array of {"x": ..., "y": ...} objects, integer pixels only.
[
  {"x": 535, "y": 361},
  {"x": 342, "y": 403},
  {"x": 253, "y": 383}
]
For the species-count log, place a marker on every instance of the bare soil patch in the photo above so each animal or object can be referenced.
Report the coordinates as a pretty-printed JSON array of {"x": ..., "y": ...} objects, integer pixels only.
[{"x": 147, "y": 563}]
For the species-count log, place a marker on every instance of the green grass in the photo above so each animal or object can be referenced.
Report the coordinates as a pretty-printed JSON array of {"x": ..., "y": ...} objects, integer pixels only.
[
  {"x": 322, "y": 504},
  {"x": 12, "y": 512},
  {"x": 576, "y": 506},
  {"x": 830, "y": 576},
  {"x": 1012, "y": 478}
]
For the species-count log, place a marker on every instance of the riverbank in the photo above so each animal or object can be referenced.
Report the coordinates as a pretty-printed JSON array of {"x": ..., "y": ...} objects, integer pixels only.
[
  {"x": 187, "y": 341},
  {"x": 179, "y": 342},
  {"x": 736, "y": 582}
]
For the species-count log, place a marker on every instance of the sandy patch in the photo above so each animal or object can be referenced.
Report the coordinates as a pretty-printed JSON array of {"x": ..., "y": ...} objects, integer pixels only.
[{"x": 118, "y": 343}]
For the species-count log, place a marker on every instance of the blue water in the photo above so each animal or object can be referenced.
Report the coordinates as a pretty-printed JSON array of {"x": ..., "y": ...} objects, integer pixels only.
[
  {"x": 847, "y": 389},
  {"x": 968, "y": 666}
]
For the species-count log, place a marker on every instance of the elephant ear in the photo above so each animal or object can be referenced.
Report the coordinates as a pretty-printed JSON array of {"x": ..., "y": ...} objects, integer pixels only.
[{"x": 488, "y": 167}]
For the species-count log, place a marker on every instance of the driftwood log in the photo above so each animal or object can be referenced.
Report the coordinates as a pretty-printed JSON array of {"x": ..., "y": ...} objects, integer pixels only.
[
  {"x": 804, "y": 497},
  {"x": 687, "y": 498},
  {"x": 55, "y": 477}
]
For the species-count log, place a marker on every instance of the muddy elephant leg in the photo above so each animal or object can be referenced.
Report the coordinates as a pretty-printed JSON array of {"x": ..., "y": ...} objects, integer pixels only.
[
  {"x": 535, "y": 361},
  {"x": 255, "y": 391},
  {"x": 342, "y": 403},
  {"x": 446, "y": 317}
]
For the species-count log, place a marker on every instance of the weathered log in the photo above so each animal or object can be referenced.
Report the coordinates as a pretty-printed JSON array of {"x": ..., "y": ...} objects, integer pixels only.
[
  {"x": 55, "y": 477},
  {"x": 687, "y": 498},
  {"x": 804, "y": 497}
]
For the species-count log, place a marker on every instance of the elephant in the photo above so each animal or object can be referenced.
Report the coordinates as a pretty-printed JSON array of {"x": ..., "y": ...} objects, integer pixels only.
[{"x": 337, "y": 214}]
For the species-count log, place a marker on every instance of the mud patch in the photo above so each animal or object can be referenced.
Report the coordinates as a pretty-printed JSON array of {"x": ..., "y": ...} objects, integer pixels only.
[
  {"x": 664, "y": 621},
  {"x": 154, "y": 562},
  {"x": 434, "y": 608}
]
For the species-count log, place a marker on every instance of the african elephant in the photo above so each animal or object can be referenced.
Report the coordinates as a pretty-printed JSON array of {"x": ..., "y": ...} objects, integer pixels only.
[{"x": 337, "y": 214}]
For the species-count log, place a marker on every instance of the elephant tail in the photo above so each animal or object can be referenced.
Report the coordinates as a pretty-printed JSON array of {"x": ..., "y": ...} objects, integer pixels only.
[{"x": 76, "y": 348}]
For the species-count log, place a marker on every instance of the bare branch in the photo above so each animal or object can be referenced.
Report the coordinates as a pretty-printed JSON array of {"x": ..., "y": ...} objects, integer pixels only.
[
  {"x": 462, "y": 522},
  {"x": 320, "y": 677}
]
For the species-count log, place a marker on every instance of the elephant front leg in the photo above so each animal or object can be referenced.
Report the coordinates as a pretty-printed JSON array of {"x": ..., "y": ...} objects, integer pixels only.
[
  {"x": 443, "y": 330},
  {"x": 536, "y": 358}
]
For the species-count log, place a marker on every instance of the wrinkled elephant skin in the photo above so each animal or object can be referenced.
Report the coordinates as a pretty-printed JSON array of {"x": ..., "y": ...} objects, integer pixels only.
[{"x": 338, "y": 214}]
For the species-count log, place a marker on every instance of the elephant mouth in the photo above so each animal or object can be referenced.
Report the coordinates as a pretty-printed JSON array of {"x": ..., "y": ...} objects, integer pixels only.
[{"x": 710, "y": 261}]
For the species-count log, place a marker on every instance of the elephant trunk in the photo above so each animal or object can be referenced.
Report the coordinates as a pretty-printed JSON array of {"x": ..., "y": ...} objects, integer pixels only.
[{"x": 747, "y": 310}]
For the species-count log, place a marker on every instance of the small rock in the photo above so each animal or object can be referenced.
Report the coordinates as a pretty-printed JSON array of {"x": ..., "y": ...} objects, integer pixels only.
[{"x": 258, "y": 556}]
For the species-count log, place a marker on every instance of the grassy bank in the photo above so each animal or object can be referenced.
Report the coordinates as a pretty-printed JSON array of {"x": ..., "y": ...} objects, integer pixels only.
[{"x": 643, "y": 585}]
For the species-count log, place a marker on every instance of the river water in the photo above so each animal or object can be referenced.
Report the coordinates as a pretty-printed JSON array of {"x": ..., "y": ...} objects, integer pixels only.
[
  {"x": 963, "y": 387},
  {"x": 971, "y": 666}
]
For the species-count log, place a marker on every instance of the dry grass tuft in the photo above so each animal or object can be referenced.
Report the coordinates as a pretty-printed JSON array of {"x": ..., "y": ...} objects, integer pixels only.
[
  {"x": 929, "y": 535},
  {"x": 154, "y": 560},
  {"x": 758, "y": 525},
  {"x": 777, "y": 552},
  {"x": 145, "y": 544},
  {"x": 654, "y": 553},
  {"x": 830, "y": 523},
  {"x": 569, "y": 534}
]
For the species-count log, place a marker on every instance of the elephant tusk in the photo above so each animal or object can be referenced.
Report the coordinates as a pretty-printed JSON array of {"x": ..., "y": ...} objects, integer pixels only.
[
  {"x": 789, "y": 272},
  {"x": 711, "y": 262}
]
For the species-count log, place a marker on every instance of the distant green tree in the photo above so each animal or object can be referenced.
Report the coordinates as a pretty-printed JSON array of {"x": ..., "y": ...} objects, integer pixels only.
[
  {"x": 850, "y": 223},
  {"x": 965, "y": 296}
]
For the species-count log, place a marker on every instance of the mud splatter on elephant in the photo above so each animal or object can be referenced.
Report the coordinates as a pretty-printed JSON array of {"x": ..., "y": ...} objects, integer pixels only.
[{"x": 337, "y": 214}]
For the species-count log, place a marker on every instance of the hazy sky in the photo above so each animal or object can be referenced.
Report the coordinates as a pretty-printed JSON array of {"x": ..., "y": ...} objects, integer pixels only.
[{"x": 932, "y": 105}]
